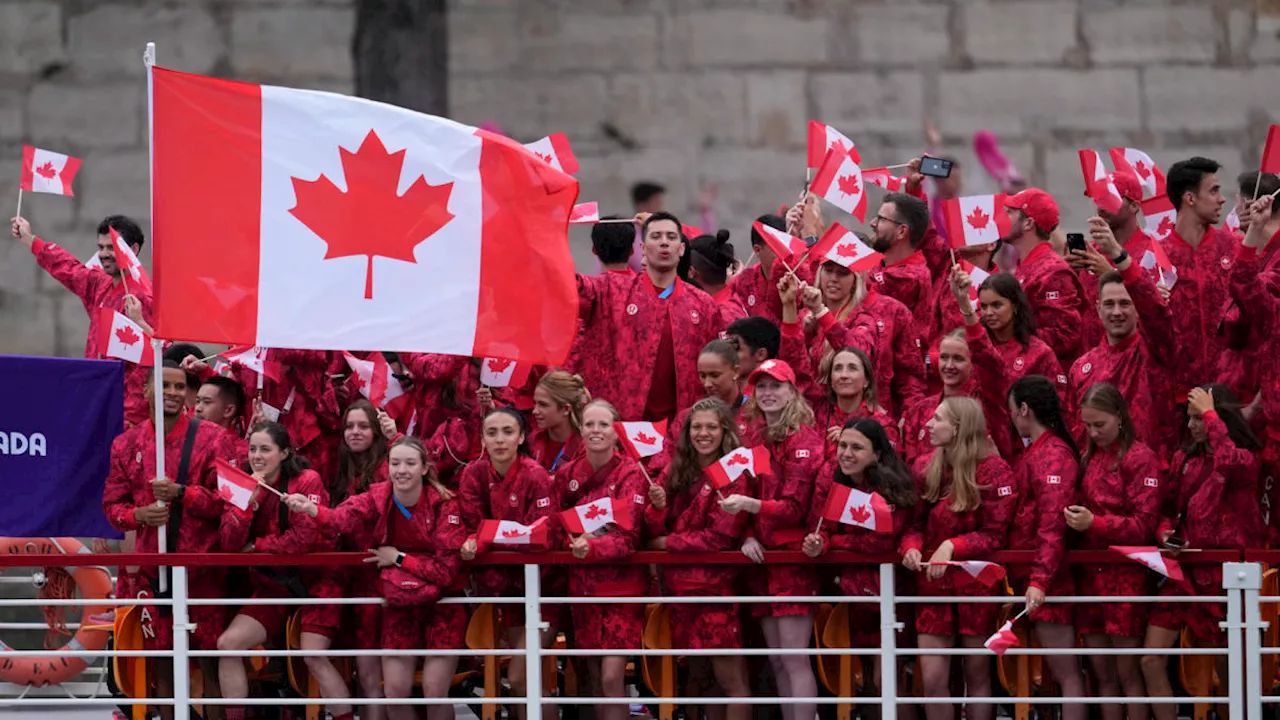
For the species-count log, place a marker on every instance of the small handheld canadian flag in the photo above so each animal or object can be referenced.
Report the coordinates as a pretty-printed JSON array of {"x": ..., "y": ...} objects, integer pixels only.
[
  {"x": 555, "y": 150},
  {"x": 1156, "y": 259},
  {"x": 851, "y": 506},
  {"x": 45, "y": 171},
  {"x": 783, "y": 244},
  {"x": 121, "y": 338},
  {"x": 377, "y": 383},
  {"x": 839, "y": 182},
  {"x": 1150, "y": 556},
  {"x": 883, "y": 177},
  {"x": 732, "y": 466},
  {"x": 252, "y": 358},
  {"x": 1271, "y": 151},
  {"x": 975, "y": 219},
  {"x": 590, "y": 517},
  {"x": 1105, "y": 195},
  {"x": 1002, "y": 640},
  {"x": 507, "y": 532},
  {"x": 585, "y": 214},
  {"x": 136, "y": 280},
  {"x": 841, "y": 246},
  {"x": 1142, "y": 166},
  {"x": 1092, "y": 167},
  {"x": 977, "y": 276},
  {"x": 1232, "y": 222},
  {"x": 977, "y": 571},
  {"x": 824, "y": 139},
  {"x": 234, "y": 485},
  {"x": 641, "y": 439},
  {"x": 501, "y": 372},
  {"x": 1158, "y": 216}
]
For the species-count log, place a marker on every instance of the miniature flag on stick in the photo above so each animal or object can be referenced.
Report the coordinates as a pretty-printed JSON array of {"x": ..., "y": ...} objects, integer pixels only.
[
  {"x": 592, "y": 516},
  {"x": 733, "y": 465},
  {"x": 641, "y": 439},
  {"x": 501, "y": 372},
  {"x": 507, "y": 532},
  {"x": 45, "y": 171},
  {"x": 851, "y": 506},
  {"x": 1150, "y": 556},
  {"x": 123, "y": 339},
  {"x": 977, "y": 571},
  {"x": 234, "y": 485}
]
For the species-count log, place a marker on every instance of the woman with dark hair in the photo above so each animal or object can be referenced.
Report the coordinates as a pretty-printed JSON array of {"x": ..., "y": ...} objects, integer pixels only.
[
  {"x": 1047, "y": 473},
  {"x": 721, "y": 378},
  {"x": 1007, "y": 315},
  {"x": 865, "y": 460},
  {"x": 507, "y": 484},
  {"x": 1214, "y": 505},
  {"x": 412, "y": 530},
  {"x": 1120, "y": 505},
  {"x": 685, "y": 516},
  {"x": 447, "y": 408},
  {"x": 710, "y": 259},
  {"x": 266, "y": 526},
  {"x": 362, "y": 454}
]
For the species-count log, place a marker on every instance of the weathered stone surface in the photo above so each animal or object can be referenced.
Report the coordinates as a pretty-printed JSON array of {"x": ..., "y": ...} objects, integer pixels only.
[
  {"x": 30, "y": 36},
  {"x": 109, "y": 39},
  {"x": 1019, "y": 33},
  {"x": 275, "y": 43}
]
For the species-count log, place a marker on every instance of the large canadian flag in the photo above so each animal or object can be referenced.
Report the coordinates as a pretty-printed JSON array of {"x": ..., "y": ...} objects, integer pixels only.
[
  {"x": 346, "y": 223},
  {"x": 975, "y": 219},
  {"x": 45, "y": 171},
  {"x": 841, "y": 246},
  {"x": 556, "y": 152},
  {"x": 121, "y": 338}
]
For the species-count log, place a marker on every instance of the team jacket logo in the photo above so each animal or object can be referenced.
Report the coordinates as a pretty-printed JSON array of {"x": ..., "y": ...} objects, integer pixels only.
[
  {"x": 573, "y": 486},
  {"x": 1051, "y": 295},
  {"x": 1053, "y": 479},
  {"x": 801, "y": 454},
  {"x": 1004, "y": 490},
  {"x": 1151, "y": 482},
  {"x": 751, "y": 300},
  {"x": 1087, "y": 367},
  {"x": 1018, "y": 363},
  {"x": 694, "y": 317},
  {"x": 453, "y": 520},
  {"x": 632, "y": 309},
  {"x": 544, "y": 502}
]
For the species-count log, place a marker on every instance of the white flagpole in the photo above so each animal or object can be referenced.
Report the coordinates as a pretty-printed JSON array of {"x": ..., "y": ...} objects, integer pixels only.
[{"x": 149, "y": 60}]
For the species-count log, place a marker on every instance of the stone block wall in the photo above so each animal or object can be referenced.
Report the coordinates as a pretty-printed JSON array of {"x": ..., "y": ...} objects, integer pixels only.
[{"x": 691, "y": 93}]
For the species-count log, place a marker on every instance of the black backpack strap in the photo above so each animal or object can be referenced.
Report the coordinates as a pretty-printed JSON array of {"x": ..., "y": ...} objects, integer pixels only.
[{"x": 184, "y": 469}]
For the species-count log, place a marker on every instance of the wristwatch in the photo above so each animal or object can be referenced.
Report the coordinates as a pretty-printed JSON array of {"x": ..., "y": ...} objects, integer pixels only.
[
  {"x": 182, "y": 492},
  {"x": 1124, "y": 255},
  {"x": 400, "y": 560}
]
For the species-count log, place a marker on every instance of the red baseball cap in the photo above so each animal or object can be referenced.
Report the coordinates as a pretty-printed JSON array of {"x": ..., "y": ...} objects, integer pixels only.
[
  {"x": 777, "y": 369},
  {"x": 1127, "y": 184},
  {"x": 1037, "y": 205}
]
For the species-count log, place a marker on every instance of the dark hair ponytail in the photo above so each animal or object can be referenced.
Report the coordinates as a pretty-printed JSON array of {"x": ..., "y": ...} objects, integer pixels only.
[
  {"x": 1041, "y": 397},
  {"x": 293, "y": 464}
]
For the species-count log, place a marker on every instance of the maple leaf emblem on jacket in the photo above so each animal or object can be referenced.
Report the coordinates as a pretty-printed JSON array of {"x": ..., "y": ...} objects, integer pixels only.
[
  {"x": 848, "y": 185},
  {"x": 371, "y": 218},
  {"x": 594, "y": 511},
  {"x": 498, "y": 365},
  {"x": 859, "y": 514},
  {"x": 644, "y": 439},
  {"x": 47, "y": 171},
  {"x": 978, "y": 219},
  {"x": 127, "y": 336}
]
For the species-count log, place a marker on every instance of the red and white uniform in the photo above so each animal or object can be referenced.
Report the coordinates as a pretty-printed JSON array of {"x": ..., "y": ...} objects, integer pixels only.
[
  {"x": 96, "y": 289},
  {"x": 193, "y": 527},
  {"x": 651, "y": 367},
  {"x": 975, "y": 535},
  {"x": 827, "y": 414},
  {"x": 268, "y": 527},
  {"x": 1199, "y": 300},
  {"x": 1047, "y": 474},
  {"x": 1124, "y": 496},
  {"x": 1141, "y": 367},
  {"x": 525, "y": 494},
  {"x": 782, "y": 521},
  {"x": 430, "y": 537},
  {"x": 608, "y": 626},
  {"x": 1057, "y": 301},
  {"x": 693, "y": 522},
  {"x": 1255, "y": 296}
]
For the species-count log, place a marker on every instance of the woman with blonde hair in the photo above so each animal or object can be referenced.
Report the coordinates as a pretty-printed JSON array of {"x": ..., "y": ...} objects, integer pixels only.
[
  {"x": 558, "y": 401},
  {"x": 968, "y": 499},
  {"x": 779, "y": 420}
]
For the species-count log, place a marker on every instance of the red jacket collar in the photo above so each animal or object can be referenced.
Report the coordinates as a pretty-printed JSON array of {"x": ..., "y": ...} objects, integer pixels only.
[
  {"x": 1037, "y": 252},
  {"x": 915, "y": 258},
  {"x": 678, "y": 286}
]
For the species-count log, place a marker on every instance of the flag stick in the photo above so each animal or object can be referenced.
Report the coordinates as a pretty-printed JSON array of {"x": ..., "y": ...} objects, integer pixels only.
[
  {"x": 268, "y": 487},
  {"x": 157, "y": 379},
  {"x": 19, "y": 213},
  {"x": 207, "y": 359},
  {"x": 1018, "y": 617},
  {"x": 898, "y": 167},
  {"x": 1277, "y": 192},
  {"x": 819, "y": 528},
  {"x": 630, "y": 221},
  {"x": 1256, "y": 183},
  {"x": 750, "y": 259}
]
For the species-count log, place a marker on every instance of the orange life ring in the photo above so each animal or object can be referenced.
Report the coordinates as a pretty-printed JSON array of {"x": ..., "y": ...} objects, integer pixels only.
[{"x": 93, "y": 582}]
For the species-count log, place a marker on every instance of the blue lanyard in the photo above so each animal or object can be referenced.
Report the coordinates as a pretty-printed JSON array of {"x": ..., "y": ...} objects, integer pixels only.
[
  {"x": 667, "y": 292},
  {"x": 403, "y": 509},
  {"x": 559, "y": 456}
]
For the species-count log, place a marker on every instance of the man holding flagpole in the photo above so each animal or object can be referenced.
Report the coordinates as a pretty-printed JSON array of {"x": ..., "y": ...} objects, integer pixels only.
[{"x": 192, "y": 509}]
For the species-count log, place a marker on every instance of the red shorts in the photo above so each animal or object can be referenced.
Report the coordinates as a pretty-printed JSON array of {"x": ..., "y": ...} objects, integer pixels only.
[
  {"x": 430, "y": 627},
  {"x": 325, "y": 620},
  {"x": 956, "y": 618},
  {"x": 1200, "y": 619},
  {"x": 705, "y": 626},
  {"x": 608, "y": 627},
  {"x": 363, "y": 627},
  {"x": 782, "y": 581},
  {"x": 1122, "y": 618},
  {"x": 273, "y": 618}
]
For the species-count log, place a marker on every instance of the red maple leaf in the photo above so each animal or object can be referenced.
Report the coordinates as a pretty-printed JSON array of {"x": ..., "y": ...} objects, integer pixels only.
[
  {"x": 859, "y": 514},
  {"x": 1166, "y": 226},
  {"x": 848, "y": 185},
  {"x": 498, "y": 365},
  {"x": 978, "y": 219},
  {"x": 513, "y": 533},
  {"x": 645, "y": 439},
  {"x": 357, "y": 381},
  {"x": 847, "y": 250},
  {"x": 737, "y": 460},
  {"x": 594, "y": 511},
  {"x": 127, "y": 336},
  {"x": 546, "y": 157},
  {"x": 838, "y": 145},
  {"x": 370, "y": 218},
  {"x": 1142, "y": 170},
  {"x": 47, "y": 171}
]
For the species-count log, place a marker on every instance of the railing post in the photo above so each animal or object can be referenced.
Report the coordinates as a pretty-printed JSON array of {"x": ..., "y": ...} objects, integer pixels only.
[
  {"x": 181, "y": 646},
  {"x": 889, "y": 627},
  {"x": 1244, "y": 665},
  {"x": 533, "y": 627}
]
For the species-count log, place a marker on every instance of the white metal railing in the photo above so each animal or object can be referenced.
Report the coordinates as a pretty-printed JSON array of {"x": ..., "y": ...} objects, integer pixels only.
[{"x": 1242, "y": 584}]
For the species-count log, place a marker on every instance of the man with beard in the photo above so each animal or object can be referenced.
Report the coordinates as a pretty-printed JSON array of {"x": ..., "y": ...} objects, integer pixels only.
[
  {"x": 899, "y": 226},
  {"x": 1051, "y": 286}
]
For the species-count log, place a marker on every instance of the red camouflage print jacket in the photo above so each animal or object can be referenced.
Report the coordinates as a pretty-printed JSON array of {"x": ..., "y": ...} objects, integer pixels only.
[
  {"x": 1124, "y": 496},
  {"x": 1047, "y": 474},
  {"x": 1199, "y": 300},
  {"x": 784, "y": 492},
  {"x": 1057, "y": 301},
  {"x": 859, "y": 579},
  {"x": 624, "y": 483},
  {"x": 525, "y": 494},
  {"x": 693, "y": 522},
  {"x": 896, "y": 354},
  {"x": 908, "y": 282},
  {"x": 261, "y": 525}
]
